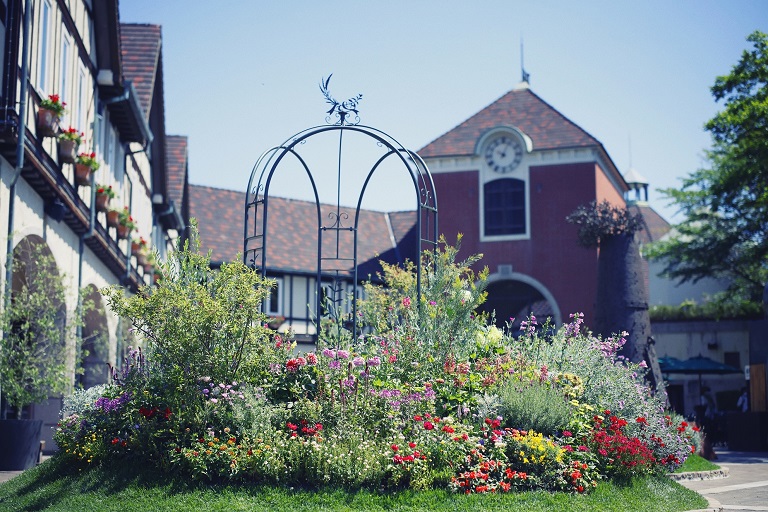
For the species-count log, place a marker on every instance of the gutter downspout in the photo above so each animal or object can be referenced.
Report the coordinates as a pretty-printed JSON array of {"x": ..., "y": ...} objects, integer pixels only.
[{"x": 19, "y": 156}]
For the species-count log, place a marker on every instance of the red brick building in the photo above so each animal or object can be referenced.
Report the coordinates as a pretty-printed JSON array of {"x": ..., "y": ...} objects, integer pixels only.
[{"x": 507, "y": 178}]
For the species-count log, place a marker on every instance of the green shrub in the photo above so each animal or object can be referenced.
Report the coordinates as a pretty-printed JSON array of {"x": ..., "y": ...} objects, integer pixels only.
[{"x": 533, "y": 404}]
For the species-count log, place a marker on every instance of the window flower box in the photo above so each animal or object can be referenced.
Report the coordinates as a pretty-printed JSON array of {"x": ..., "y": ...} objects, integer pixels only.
[
  {"x": 69, "y": 141},
  {"x": 48, "y": 116},
  {"x": 113, "y": 217},
  {"x": 85, "y": 165},
  {"x": 104, "y": 194}
]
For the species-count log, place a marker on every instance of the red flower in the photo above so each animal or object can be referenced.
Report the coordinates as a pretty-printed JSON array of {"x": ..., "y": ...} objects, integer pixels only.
[
  {"x": 642, "y": 420},
  {"x": 428, "y": 425},
  {"x": 291, "y": 426},
  {"x": 167, "y": 413},
  {"x": 448, "y": 429},
  {"x": 394, "y": 447}
]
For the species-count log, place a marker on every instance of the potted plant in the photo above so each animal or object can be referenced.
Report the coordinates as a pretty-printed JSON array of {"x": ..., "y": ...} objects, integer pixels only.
[
  {"x": 85, "y": 165},
  {"x": 113, "y": 217},
  {"x": 69, "y": 140},
  {"x": 33, "y": 351},
  {"x": 125, "y": 223},
  {"x": 140, "y": 249},
  {"x": 104, "y": 194},
  {"x": 49, "y": 114},
  {"x": 150, "y": 263}
]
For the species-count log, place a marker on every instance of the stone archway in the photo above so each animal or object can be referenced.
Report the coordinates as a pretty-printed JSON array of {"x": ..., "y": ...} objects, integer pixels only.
[
  {"x": 95, "y": 341},
  {"x": 39, "y": 322},
  {"x": 518, "y": 296}
]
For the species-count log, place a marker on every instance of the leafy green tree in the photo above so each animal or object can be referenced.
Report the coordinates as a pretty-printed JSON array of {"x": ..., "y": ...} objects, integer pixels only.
[
  {"x": 36, "y": 335},
  {"x": 200, "y": 322},
  {"x": 725, "y": 232}
]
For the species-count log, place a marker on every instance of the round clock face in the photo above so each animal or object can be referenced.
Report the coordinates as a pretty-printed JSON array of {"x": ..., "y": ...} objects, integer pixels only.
[{"x": 503, "y": 154}]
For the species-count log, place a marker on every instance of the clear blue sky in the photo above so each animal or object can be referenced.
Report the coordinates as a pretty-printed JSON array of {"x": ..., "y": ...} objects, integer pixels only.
[{"x": 241, "y": 76}]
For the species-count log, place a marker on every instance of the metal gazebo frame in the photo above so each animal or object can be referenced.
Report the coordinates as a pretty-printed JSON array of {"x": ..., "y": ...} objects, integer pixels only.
[{"x": 333, "y": 264}]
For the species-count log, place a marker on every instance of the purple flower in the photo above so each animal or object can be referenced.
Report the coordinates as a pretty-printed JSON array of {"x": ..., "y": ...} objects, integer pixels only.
[
  {"x": 327, "y": 352},
  {"x": 334, "y": 365},
  {"x": 358, "y": 361},
  {"x": 374, "y": 361},
  {"x": 342, "y": 354}
]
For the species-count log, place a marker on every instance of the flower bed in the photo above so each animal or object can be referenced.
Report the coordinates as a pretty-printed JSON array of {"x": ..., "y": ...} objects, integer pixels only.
[{"x": 430, "y": 397}]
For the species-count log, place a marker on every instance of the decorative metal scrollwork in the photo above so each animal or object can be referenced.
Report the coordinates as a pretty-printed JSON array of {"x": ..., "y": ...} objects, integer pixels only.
[
  {"x": 337, "y": 223},
  {"x": 341, "y": 109}
]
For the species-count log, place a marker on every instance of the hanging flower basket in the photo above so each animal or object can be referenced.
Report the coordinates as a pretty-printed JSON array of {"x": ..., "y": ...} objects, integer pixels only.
[
  {"x": 102, "y": 203},
  {"x": 67, "y": 151},
  {"x": 83, "y": 175},
  {"x": 123, "y": 232},
  {"x": 85, "y": 165},
  {"x": 139, "y": 245},
  {"x": 48, "y": 116},
  {"x": 104, "y": 194},
  {"x": 113, "y": 218},
  {"x": 47, "y": 123},
  {"x": 141, "y": 258}
]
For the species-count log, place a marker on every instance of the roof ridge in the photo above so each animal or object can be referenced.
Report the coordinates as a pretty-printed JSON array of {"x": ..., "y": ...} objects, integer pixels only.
[
  {"x": 522, "y": 108},
  {"x": 564, "y": 117}
]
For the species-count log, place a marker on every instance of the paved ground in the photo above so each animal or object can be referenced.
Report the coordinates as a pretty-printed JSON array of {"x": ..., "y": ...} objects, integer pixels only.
[{"x": 745, "y": 488}]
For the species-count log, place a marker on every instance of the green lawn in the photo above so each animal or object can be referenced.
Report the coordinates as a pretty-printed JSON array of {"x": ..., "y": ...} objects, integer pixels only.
[
  {"x": 52, "y": 486},
  {"x": 696, "y": 463}
]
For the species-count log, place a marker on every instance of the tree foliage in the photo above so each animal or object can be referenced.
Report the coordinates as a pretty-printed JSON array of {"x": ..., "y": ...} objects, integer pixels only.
[
  {"x": 597, "y": 221},
  {"x": 725, "y": 232},
  {"x": 199, "y": 321},
  {"x": 36, "y": 335}
]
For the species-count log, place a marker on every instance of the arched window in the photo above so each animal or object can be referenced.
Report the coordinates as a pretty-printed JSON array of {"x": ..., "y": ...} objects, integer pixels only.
[{"x": 504, "y": 207}]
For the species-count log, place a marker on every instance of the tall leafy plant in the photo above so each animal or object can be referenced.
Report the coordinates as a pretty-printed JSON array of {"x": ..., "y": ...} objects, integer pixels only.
[
  {"x": 200, "y": 322},
  {"x": 36, "y": 334}
]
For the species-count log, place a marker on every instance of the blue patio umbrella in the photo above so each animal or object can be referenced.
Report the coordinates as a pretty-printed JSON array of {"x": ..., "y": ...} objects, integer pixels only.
[{"x": 698, "y": 365}]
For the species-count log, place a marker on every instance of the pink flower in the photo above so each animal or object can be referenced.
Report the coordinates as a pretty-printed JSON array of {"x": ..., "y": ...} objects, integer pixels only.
[
  {"x": 407, "y": 302},
  {"x": 312, "y": 358}
]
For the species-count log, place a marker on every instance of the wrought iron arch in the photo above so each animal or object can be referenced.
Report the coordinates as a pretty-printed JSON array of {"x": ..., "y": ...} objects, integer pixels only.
[{"x": 333, "y": 265}]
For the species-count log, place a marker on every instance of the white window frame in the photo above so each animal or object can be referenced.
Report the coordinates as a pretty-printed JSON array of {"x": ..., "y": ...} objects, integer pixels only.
[
  {"x": 82, "y": 100},
  {"x": 275, "y": 309},
  {"x": 521, "y": 172},
  {"x": 44, "y": 46},
  {"x": 66, "y": 67}
]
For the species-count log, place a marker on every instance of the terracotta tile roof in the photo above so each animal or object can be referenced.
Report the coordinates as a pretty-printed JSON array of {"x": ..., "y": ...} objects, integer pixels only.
[
  {"x": 140, "y": 48},
  {"x": 292, "y": 231},
  {"x": 655, "y": 226},
  {"x": 547, "y": 128},
  {"x": 176, "y": 165}
]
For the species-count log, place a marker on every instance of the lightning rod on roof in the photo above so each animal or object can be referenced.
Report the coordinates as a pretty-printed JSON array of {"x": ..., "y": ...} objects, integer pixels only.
[{"x": 526, "y": 75}]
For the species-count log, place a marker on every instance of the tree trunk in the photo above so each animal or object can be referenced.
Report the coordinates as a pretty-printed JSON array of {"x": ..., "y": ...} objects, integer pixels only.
[{"x": 622, "y": 300}]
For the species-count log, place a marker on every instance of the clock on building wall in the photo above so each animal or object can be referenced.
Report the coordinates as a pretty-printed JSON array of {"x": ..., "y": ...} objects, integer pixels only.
[{"x": 503, "y": 154}]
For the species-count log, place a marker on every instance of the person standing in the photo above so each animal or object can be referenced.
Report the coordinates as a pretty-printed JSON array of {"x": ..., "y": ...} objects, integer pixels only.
[{"x": 742, "y": 404}]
